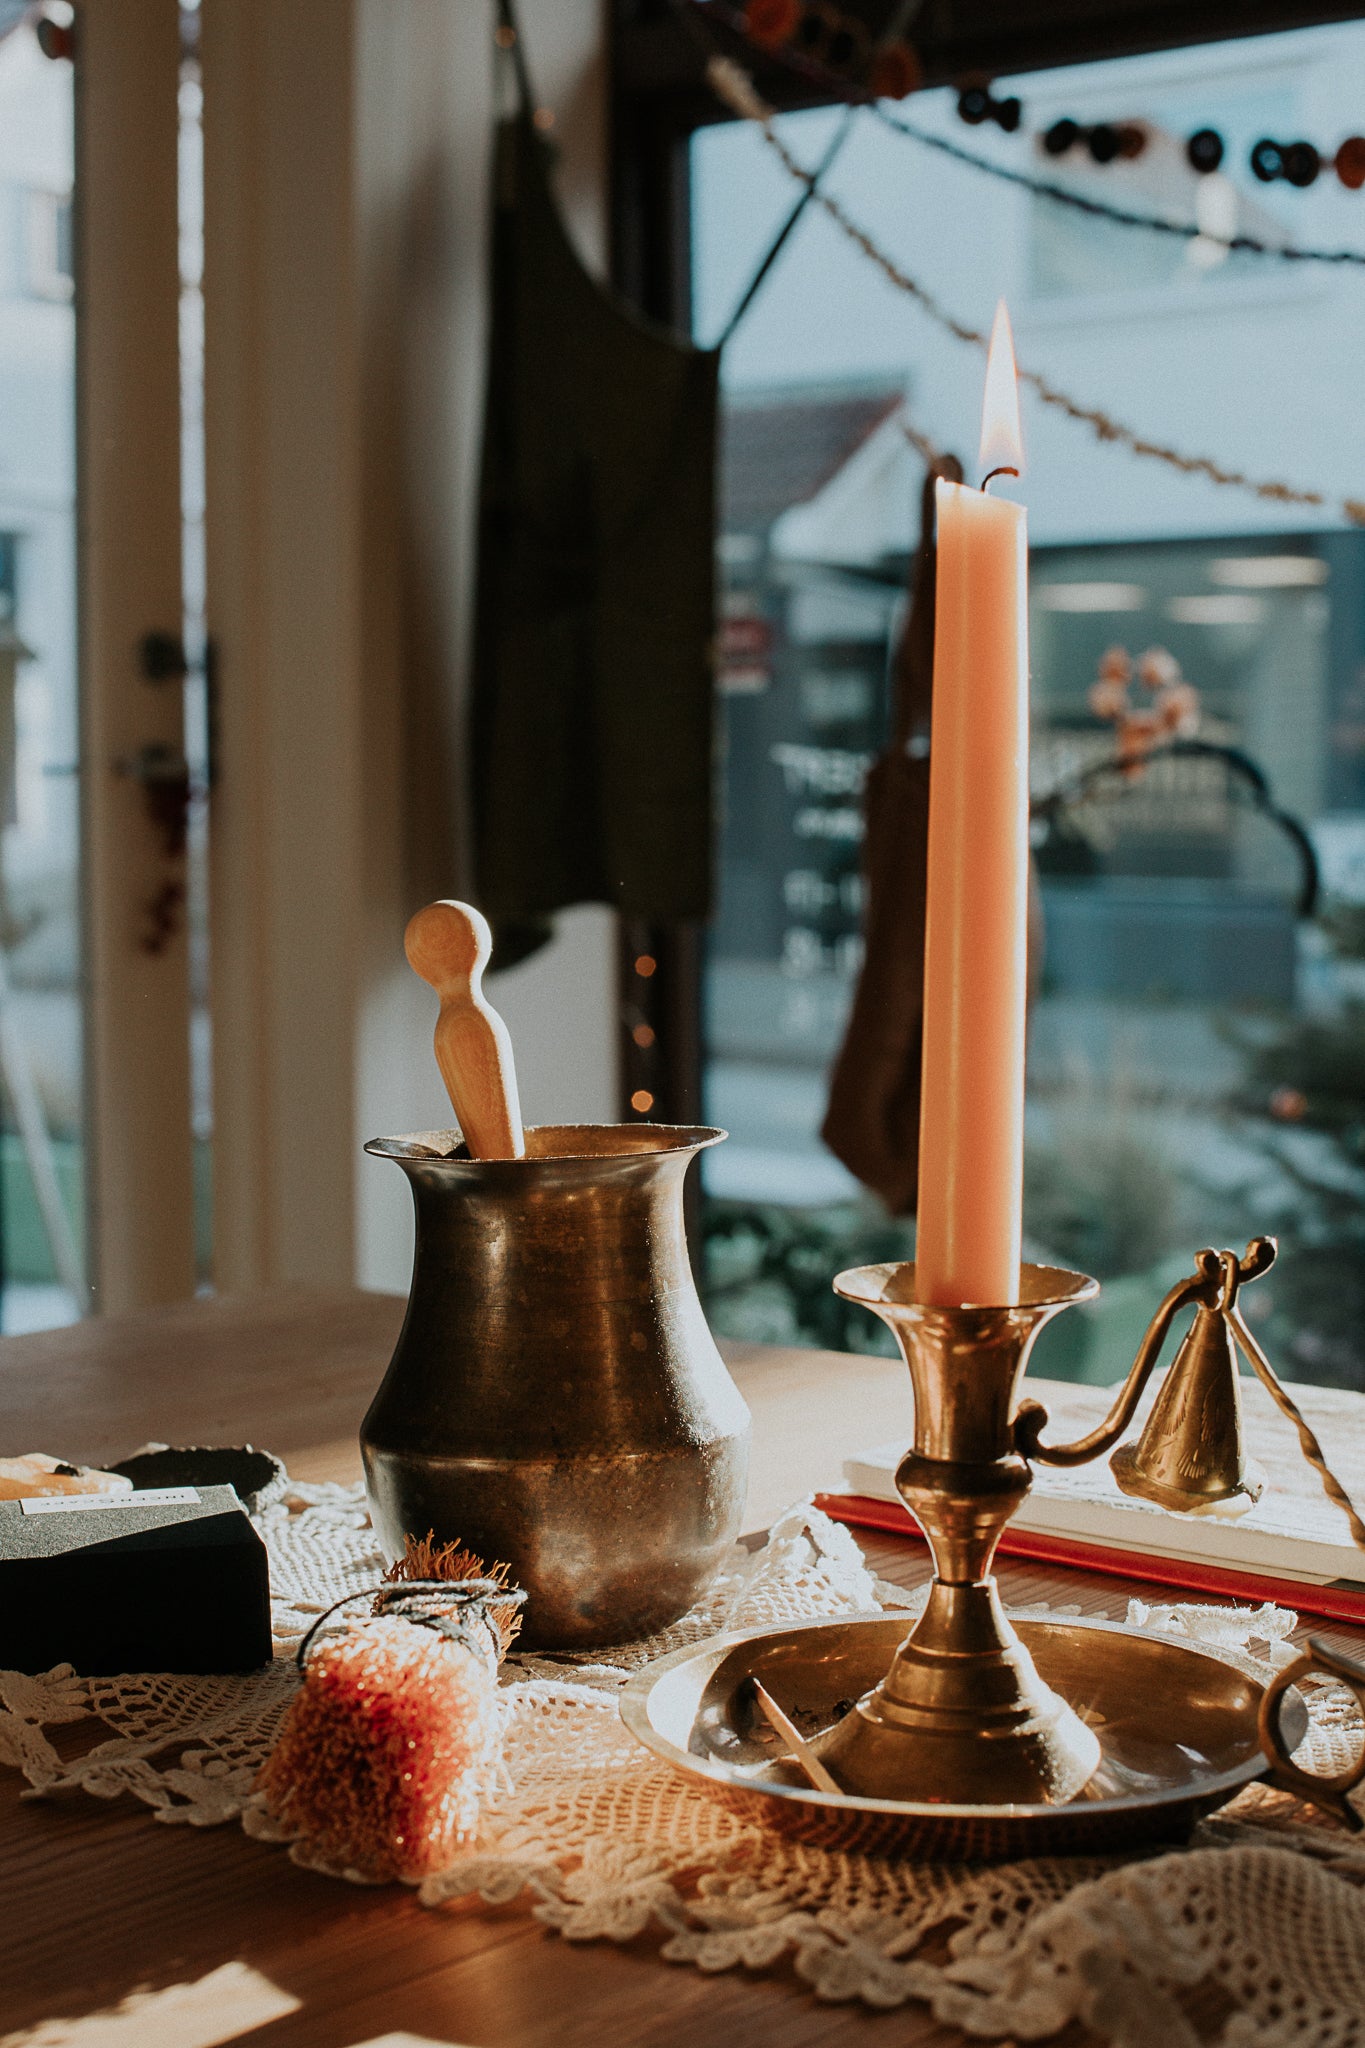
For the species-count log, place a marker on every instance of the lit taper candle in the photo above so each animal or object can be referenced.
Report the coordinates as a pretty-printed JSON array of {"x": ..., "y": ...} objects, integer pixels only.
[{"x": 971, "y": 1152}]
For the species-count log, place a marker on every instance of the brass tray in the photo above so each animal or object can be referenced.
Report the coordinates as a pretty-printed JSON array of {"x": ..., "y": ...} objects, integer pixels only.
[{"x": 1177, "y": 1729}]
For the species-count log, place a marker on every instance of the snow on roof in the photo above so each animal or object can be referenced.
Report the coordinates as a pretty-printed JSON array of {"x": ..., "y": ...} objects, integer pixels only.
[
  {"x": 780, "y": 448},
  {"x": 866, "y": 513}
]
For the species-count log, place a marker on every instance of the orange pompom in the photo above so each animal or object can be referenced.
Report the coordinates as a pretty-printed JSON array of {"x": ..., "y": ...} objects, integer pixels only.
[
  {"x": 1350, "y": 162},
  {"x": 1108, "y": 698},
  {"x": 771, "y": 23},
  {"x": 1177, "y": 706},
  {"x": 895, "y": 72},
  {"x": 1158, "y": 668},
  {"x": 1138, "y": 733}
]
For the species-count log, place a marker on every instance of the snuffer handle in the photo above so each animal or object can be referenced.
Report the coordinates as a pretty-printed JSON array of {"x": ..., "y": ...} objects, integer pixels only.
[
  {"x": 449, "y": 945},
  {"x": 1323, "y": 1791},
  {"x": 1214, "y": 1284},
  {"x": 1031, "y": 1419}
]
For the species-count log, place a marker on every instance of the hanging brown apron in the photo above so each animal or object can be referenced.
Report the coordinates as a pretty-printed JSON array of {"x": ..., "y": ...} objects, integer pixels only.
[{"x": 872, "y": 1122}]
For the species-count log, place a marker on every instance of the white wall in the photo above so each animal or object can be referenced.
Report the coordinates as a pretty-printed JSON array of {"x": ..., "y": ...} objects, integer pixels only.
[
  {"x": 430, "y": 118},
  {"x": 345, "y": 285}
]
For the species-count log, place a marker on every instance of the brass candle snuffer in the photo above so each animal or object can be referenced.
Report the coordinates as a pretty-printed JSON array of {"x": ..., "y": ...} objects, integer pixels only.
[
  {"x": 983, "y": 1738},
  {"x": 556, "y": 1400}
]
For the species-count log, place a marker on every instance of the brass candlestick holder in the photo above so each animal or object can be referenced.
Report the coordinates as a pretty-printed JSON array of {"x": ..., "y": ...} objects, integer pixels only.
[
  {"x": 962, "y": 1717},
  {"x": 962, "y": 1714}
]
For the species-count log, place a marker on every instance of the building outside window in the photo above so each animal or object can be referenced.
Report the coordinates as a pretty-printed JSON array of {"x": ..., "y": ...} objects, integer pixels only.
[{"x": 1197, "y": 1045}]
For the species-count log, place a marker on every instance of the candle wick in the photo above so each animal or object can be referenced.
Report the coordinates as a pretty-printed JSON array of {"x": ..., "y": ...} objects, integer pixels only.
[{"x": 1003, "y": 470}]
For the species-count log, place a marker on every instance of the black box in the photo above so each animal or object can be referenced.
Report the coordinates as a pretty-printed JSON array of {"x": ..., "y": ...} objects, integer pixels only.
[{"x": 173, "y": 1579}]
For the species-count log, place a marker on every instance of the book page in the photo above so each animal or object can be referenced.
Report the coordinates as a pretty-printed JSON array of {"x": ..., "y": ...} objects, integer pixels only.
[{"x": 1293, "y": 1511}]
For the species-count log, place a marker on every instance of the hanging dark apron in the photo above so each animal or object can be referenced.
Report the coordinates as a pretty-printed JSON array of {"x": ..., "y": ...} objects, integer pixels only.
[{"x": 592, "y": 726}]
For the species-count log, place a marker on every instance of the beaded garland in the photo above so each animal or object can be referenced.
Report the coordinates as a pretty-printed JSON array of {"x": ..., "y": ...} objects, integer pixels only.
[
  {"x": 820, "y": 33},
  {"x": 736, "y": 89}
]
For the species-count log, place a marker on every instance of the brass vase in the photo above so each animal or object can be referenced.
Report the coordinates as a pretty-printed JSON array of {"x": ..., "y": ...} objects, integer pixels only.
[{"x": 556, "y": 1400}]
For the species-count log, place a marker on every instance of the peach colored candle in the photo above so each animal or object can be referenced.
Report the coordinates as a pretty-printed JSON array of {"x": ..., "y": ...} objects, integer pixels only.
[{"x": 971, "y": 1152}]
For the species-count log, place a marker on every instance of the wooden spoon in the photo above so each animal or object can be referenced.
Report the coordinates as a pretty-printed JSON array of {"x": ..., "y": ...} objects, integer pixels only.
[{"x": 448, "y": 944}]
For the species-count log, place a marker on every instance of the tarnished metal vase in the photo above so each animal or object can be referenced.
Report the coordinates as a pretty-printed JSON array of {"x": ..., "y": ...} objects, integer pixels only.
[{"x": 556, "y": 1400}]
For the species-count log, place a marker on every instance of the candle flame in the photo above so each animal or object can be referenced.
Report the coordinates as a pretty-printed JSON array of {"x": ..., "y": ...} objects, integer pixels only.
[{"x": 1002, "y": 444}]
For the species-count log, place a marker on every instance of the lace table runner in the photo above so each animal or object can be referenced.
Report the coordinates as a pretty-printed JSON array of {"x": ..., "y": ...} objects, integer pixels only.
[{"x": 603, "y": 1841}]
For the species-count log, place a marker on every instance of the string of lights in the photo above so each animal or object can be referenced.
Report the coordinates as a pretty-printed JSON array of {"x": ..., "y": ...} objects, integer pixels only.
[
  {"x": 1104, "y": 141},
  {"x": 815, "y": 35},
  {"x": 1101, "y": 209},
  {"x": 737, "y": 91}
]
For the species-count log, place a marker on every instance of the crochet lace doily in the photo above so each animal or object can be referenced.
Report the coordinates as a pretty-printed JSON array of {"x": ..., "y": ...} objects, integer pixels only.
[{"x": 603, "y": 1841}]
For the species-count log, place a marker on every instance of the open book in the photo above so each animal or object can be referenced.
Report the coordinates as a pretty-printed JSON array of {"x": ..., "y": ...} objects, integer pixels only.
[{"x": 1293, "y": 1545}]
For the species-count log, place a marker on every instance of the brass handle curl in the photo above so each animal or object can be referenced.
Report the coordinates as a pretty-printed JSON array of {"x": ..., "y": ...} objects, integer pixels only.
[
  {"x": 1214, "y": 1283},
  {"x": 1327, "y": 1792},
  {"x": 1031, "y": 1419}
]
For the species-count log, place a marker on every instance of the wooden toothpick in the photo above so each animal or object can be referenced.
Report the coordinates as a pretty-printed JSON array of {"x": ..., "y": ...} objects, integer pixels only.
[
  {"x": 801, "y": 1751},
  {"x": 449, "y": 944}
]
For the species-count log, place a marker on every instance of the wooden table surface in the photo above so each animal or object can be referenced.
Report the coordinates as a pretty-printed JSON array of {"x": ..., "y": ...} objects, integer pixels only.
[{"x": 97, "y": 1902}]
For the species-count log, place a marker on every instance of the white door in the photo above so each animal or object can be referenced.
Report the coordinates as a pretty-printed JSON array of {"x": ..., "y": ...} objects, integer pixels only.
[{"x": 96, "y": 1205}]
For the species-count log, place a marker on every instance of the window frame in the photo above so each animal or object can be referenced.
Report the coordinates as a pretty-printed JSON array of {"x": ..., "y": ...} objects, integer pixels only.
[{"x": 139, "y": 1176}]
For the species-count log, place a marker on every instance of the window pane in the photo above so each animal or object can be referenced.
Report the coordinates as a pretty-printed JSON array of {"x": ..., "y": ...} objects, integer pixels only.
[
  {"x": 41, "y": 1206},
  {"x": 1197, "y": 1050}
]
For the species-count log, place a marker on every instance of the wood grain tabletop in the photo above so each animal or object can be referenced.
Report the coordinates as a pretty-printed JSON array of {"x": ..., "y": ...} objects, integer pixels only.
[{"x": 97, "y": 1902}]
